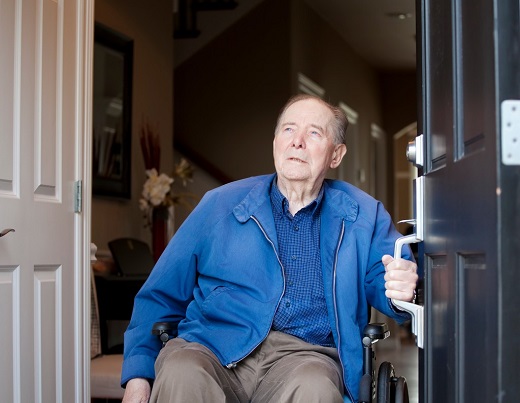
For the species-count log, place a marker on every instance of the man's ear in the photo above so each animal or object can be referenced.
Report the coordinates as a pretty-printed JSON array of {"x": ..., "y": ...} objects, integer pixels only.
[{"x": 337, "y": 157}]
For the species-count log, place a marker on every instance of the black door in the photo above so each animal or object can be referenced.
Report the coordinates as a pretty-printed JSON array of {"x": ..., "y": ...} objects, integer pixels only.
[{"x": 469, "y": 65}]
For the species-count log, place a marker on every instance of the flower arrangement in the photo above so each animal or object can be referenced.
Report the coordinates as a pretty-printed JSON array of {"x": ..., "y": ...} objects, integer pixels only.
[{"x": 157, "y": 189}]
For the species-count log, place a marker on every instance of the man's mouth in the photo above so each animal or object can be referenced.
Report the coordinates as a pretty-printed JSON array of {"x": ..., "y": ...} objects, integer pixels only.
[{"x": 295, "y": 159}]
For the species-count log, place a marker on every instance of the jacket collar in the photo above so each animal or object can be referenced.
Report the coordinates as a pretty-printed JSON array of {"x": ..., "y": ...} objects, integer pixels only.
[
  {"x": 339, "y": 201},
  {"x": 257, "y": 202},
  {"x": 257, "y": 199}
]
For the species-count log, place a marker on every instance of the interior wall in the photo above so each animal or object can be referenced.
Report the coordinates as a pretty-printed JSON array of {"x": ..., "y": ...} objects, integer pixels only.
[
  {"x": 323, "y": 56},
  {"x": 150, "y": 25},
  {"x": 399, "y": 110},
  {"x": 227, "y": 96},
  {"x": 398, "y": 99}
]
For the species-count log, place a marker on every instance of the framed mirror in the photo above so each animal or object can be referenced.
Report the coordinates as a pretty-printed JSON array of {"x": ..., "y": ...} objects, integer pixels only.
[{"x": 112, "y": 113}]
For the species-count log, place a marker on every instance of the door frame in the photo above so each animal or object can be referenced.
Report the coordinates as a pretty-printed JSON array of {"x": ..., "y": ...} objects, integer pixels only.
[{"x": 84, "y": 88}]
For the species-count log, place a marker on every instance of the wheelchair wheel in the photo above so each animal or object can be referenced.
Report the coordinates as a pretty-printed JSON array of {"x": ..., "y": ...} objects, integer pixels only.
[
  {"x": 385, "y": 378},
  {"x": 401, "y": 390}
]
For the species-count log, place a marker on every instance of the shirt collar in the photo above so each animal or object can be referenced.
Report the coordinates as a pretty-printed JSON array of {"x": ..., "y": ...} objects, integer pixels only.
[{"x": 281, "y": 204}]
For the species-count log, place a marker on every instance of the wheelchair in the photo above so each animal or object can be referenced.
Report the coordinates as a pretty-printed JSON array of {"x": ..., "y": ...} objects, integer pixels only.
[{"x": 387, "y": 389}]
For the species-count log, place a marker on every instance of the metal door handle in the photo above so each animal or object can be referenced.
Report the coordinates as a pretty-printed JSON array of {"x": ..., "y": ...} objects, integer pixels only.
[
  {"x": 6, "y": 231},
  {"x": 417, "y": 311},
  {"x": 415, "y": 151}
]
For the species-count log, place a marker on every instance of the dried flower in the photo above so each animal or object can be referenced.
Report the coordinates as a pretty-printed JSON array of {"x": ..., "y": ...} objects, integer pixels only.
[
  {"x": 184, "y": 171},
  {"x": 157, "y": 189},
  {"x": 150, "y": 147}
]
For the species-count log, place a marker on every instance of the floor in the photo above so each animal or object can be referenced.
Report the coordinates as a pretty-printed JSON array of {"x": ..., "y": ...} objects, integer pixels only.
[{"x": 403, "y": 354}]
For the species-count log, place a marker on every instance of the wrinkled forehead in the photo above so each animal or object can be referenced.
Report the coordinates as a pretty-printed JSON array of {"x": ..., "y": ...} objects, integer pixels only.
[{"x": 308, "y": 111}]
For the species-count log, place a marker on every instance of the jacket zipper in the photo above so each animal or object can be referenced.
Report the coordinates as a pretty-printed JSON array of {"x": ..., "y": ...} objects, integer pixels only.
[
  {"x": 234, "y": 363},
  {"x": 336, "y": 306}
]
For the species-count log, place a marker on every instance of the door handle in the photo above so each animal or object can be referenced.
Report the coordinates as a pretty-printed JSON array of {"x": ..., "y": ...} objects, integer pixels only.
[
  {"x": 415, "y": 310},
  {"x": 6, "y": 231},
  {"x": 415, "y": 151}
]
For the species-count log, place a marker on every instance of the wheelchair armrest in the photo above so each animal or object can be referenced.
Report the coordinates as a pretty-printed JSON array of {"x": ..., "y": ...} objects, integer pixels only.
[
  {"x": 163, "y": 330},
  {"x": 374, "y": 332}
]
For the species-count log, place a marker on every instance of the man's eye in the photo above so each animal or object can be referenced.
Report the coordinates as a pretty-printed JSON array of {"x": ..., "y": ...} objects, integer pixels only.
[
  {"x": 288, "y": 129},
  {"x": 315, "y": 133}
]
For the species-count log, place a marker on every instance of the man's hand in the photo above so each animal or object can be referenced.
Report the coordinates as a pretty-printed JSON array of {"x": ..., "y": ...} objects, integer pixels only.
[
  {"x": 401, "y": 278},
  {"x": 137, "y": 391}
]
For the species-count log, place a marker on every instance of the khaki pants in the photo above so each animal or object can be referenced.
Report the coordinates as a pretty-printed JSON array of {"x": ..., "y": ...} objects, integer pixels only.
[{"x": 282, "y": 369}]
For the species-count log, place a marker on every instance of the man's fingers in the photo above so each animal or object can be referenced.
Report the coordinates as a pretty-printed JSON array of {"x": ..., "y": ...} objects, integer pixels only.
[
  {"x": 399, "y": 295},
  {"x": 400, "y": 279},
  {"x": 400, "y": 286},
  {"x": 400, "y": 290},
  {"x": 404, "y": 275},
  {"x": 387, "y": 259}
]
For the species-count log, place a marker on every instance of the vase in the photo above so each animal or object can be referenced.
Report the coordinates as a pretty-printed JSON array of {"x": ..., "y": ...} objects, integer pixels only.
[{"x": 160, "y": 216}]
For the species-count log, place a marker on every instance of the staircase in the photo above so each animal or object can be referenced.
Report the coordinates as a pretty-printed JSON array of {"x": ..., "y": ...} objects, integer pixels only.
[{"x": 185, "y": 15}]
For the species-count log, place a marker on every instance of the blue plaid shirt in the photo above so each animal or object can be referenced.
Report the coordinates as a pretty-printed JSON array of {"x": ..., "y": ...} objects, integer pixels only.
[{"x": 302, "y": 312}]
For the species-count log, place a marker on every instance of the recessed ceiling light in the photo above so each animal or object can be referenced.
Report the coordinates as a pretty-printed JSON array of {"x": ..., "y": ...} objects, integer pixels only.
[{"x": 400, "y": 16}]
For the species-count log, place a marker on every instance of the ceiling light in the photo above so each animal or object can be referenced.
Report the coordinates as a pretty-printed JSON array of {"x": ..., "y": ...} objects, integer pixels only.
[{"x": 399, "y": 16}]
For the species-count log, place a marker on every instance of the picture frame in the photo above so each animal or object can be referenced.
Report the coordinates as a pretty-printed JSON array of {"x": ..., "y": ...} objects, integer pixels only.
[{"x": 112, "y": 113}]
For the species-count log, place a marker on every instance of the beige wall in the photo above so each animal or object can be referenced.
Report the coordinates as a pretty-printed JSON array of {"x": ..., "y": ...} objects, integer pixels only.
[{"x": 150, "y": 26}]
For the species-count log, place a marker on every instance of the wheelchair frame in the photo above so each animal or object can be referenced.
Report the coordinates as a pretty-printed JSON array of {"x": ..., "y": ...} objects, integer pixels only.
[{"x": 390, "y": 389}]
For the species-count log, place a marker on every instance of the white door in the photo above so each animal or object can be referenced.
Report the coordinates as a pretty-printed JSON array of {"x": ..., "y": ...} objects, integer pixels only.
[{"x": 43, "y": 263}]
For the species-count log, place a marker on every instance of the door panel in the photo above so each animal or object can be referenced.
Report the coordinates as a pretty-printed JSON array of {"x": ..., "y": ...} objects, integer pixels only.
[
  {"x": 475, "y": 74},
  {"x": 10, "y": 23},
  {"x": 465, "y": 219},
  {"x": 9, "y": 333},
  {"x": 439, "y": 338},
  {"x": 48, "y": 109},
  {"x": 41, "y": 262},
  {"x": 439, "y": 27}
]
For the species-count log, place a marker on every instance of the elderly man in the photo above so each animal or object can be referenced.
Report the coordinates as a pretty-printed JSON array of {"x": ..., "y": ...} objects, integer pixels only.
[{"x": 269, "y": 281}]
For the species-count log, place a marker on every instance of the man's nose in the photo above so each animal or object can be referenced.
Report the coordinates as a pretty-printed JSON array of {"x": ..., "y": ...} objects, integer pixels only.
[{"x": 299, "y": 139}]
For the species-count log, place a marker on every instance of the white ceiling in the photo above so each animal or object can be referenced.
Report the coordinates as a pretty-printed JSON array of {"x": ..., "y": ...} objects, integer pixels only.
[
  {"x": 387, "y": 43},
  {"x": 373, "y": 29}
]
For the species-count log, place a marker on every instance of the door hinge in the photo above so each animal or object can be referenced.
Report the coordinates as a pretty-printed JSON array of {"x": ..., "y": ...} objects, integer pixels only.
[
  {"x": 510, "y": 131},
  {"x": 78, "y": 196}
]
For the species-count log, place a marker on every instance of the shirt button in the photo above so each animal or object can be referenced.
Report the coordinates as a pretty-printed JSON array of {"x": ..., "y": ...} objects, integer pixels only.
[
  {"x": 290, "y": 282},
  {"x": 287, "y": 304},
  {"x": 294, "y": 257},
  {"x": 296, "y": 228}
]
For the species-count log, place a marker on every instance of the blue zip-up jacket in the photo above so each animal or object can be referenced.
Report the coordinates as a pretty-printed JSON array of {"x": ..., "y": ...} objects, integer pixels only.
[{"x": 220, "y": 277}]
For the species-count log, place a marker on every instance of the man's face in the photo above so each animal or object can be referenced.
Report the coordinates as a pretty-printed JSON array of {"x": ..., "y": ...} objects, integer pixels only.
[{"x": 303, "y": 146}]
